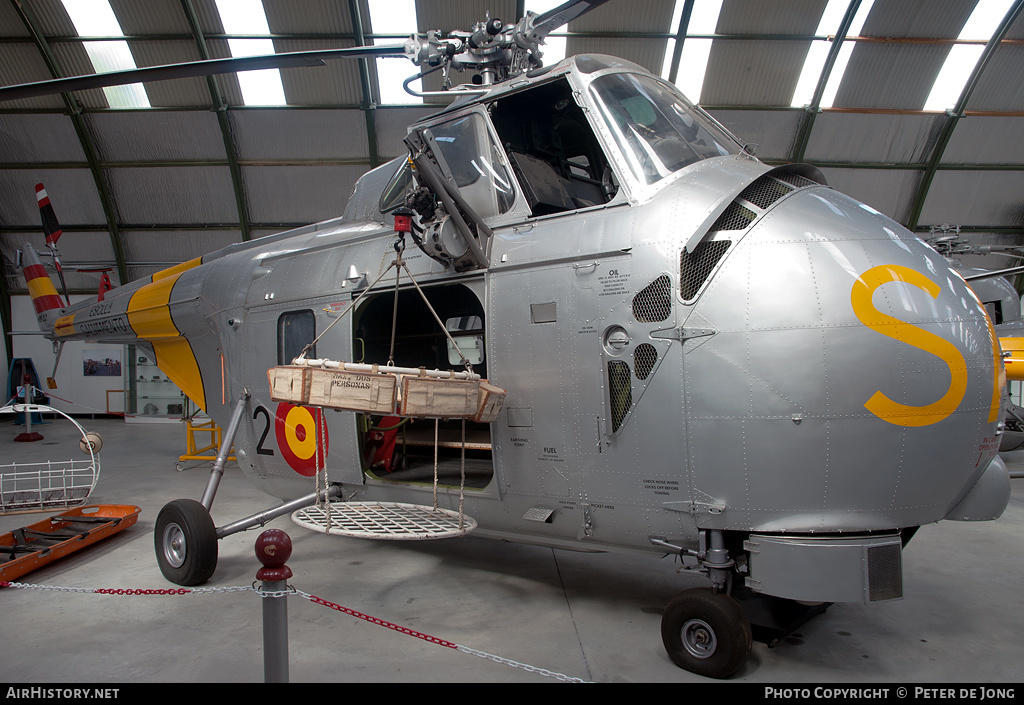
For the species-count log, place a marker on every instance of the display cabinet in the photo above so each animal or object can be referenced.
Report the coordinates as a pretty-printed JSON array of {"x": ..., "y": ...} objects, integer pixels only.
[{"x": 150, "y": 396}]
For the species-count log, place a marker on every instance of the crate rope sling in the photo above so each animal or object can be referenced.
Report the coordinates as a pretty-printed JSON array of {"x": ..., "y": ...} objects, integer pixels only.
[{"x": 388, "y": 520}]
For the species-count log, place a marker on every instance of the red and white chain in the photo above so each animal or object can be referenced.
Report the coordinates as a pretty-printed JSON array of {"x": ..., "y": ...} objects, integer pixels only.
[
  {"x": 126, "y": 591},
  {"x": 311, "y": 598}
]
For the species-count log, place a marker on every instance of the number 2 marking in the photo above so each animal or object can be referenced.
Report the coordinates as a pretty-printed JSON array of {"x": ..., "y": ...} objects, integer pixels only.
[{"x": 260, "y": 450}]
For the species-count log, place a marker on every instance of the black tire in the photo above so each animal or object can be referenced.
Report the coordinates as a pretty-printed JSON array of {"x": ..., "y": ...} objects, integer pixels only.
[
  {"x": 185, "y": 539},
  {"x": 706, "y": 633}
]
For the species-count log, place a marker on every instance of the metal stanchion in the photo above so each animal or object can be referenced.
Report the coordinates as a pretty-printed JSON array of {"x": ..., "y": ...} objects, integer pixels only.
[
  {"x": 28, "y": 392},
  {"x": 273, "y": 548}
]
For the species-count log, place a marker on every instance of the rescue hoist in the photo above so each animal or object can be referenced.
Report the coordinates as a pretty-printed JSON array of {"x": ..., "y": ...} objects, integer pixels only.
[{"x": 392, "y": 391}]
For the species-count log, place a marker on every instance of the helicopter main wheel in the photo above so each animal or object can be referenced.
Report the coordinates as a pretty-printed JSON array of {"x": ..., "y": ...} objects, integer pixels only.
[
  {"x": 186, "y": 542},
  {"x": 706, "y": 632}
]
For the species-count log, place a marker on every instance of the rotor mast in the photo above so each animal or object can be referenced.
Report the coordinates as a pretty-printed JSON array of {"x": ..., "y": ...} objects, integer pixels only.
[{"x": 497, "y": 50}]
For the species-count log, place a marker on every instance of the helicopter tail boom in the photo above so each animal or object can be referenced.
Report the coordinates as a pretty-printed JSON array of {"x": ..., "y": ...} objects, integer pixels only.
[{"x": 136, "y": 314}]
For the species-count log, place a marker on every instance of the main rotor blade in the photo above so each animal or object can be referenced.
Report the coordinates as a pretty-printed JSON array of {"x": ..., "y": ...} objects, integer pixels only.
[
  {"x": 994, "y": 273},
  {"x": 547, "y": 22},
  {"x": 191, "y": 69}
]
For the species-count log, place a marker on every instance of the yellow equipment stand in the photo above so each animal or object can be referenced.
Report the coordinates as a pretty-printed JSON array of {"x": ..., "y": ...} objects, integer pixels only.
[{"x": 193, "y": 451}]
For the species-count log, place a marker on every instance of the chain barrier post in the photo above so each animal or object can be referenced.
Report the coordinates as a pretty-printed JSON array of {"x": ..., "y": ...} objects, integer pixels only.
[
  {"x": 273, "y": 548},
  {"x": 28, "y": 395}
]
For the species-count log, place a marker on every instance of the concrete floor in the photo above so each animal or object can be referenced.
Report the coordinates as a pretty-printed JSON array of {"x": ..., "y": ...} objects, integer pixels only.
[{"x": 594, "y": 617}]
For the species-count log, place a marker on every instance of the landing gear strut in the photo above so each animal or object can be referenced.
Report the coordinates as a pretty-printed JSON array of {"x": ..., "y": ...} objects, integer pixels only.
[
  {"x": 704, "y": 630},
  {"x": 186, "y": 538}
]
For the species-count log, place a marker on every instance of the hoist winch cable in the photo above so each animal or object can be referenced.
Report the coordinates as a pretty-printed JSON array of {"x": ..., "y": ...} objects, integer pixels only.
[
  {"x": 399, "y": 264},
  {"x": 388, "y": 520}
]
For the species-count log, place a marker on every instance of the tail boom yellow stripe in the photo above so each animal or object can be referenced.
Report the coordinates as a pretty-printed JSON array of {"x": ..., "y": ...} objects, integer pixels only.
[{"x": 149, "y": 313}]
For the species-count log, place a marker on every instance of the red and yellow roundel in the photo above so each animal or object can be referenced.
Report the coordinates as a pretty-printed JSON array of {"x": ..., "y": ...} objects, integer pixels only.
[{"x": 302, "y": 437}]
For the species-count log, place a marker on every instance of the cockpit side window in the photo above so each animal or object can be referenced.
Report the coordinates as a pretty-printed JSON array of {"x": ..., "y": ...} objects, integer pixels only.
[
  {"x": 654, "y": 127},
  {"x": 394, "y": 193},
  {"x": 466, "y": 152},
  {"x": 553, "y": 151}
]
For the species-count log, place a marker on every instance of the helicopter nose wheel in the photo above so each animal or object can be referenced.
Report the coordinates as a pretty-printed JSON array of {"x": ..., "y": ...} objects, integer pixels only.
[
  {"x": 706, "y": 632},
  {"x": 186, "y": 542}
]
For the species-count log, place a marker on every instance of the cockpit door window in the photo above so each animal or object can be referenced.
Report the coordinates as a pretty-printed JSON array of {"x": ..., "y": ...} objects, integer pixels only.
[{"x": 466, "y": 153}]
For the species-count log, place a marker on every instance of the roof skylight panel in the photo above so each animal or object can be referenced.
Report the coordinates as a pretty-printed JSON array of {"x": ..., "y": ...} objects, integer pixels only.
[
  {"x": 962, "y": 58},
  {"x": 95, "y": 18},
  {"x": 246, "y": 17},
  {"x": 817, "y": 54},
  {"x": 693, "y": 61},
  {"x": 395, "y": 17},
  {"x": 814, "y": 64},
  {"x": 670, "y": 45}
]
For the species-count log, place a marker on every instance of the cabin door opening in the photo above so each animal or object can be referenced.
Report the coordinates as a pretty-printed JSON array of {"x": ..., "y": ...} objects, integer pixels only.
[{"x": 395, "y": 449}]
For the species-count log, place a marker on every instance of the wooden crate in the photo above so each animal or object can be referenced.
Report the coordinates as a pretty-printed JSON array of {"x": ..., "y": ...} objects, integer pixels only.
[
  {"x": 491, "y": 400},
  {"x": 353, "y": 391},
  {"x": 434, "y": 398},
  {"x": 289, "y": 383}
]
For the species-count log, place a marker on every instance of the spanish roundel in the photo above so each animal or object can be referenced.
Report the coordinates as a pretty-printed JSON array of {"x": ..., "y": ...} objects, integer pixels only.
[{"x": 302, "y": 437}]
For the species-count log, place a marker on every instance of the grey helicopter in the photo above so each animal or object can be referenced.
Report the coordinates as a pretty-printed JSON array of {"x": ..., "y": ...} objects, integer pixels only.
[{"x": 579, "y": 313}]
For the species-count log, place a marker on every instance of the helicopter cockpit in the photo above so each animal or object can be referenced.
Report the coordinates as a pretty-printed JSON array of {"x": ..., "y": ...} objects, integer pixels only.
[{"x": 554, "y": 152}]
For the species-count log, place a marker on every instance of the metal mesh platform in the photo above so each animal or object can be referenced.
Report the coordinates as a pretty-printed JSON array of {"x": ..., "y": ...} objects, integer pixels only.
[{"x": 392, "y": 521}]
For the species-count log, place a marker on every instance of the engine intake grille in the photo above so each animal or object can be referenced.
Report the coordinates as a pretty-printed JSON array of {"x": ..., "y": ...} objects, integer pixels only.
[
  {"x": 619, "y": 391},
  {"x": 654, "y": 302},
  {"x": 696, "y": 266},
  {"x": 644, "y": 358},
  {"x": 765, "y": 191},
  {"x": 795, "y": 179}
]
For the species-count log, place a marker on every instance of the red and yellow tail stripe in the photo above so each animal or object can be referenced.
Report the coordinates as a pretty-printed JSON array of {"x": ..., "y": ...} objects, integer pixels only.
[{"x": 44, "y": 295}]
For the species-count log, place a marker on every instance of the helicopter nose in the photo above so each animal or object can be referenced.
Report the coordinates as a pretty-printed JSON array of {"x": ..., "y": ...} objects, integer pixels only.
[{"x": 853, "y": 374}]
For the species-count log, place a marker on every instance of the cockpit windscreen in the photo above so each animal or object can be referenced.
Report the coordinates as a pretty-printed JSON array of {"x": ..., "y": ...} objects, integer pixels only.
[{"x": 655, "y": 129}]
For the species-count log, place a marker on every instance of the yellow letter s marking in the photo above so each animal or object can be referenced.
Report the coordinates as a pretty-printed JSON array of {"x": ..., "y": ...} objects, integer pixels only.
[{"x": 879, "y": 404}]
